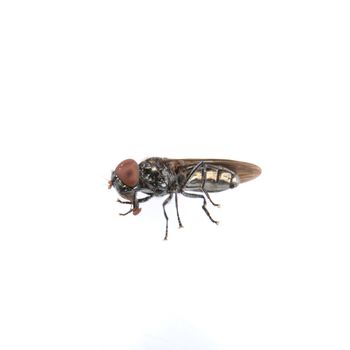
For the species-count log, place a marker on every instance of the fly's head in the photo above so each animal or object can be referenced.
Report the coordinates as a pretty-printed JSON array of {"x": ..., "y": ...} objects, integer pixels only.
[{"x": 125, "y": 179}]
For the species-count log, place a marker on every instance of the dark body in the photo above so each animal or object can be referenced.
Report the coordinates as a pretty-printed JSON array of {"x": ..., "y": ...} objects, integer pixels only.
[
  {"x": 160, "y": 176},
  {"x": 194, "y": 178}
]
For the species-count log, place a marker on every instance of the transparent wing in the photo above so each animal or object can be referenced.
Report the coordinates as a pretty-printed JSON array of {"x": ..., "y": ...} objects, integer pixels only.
[{"x": 245, "y": 171}]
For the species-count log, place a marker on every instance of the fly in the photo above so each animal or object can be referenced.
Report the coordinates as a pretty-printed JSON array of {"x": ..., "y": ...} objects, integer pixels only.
[{"x": 193, "y": 178}]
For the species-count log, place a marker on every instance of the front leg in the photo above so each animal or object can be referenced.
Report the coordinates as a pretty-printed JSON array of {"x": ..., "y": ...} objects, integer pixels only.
[
  {"x": 128, "y": 212},
  {"x": 145, "y": 199},
  {"x": 123, "y": 202},
  {"x": 142, "y": 200}
]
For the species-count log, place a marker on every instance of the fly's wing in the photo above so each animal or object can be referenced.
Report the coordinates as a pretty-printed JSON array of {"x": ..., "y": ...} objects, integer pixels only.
[{"x": 245, "y": 171}]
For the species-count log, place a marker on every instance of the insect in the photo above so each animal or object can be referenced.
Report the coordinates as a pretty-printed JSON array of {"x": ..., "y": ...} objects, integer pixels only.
[{"x": 193, "y": 178}]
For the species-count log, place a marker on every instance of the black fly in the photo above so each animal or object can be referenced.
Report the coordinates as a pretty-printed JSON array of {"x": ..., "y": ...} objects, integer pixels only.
[{"x": 194, "y": 178}]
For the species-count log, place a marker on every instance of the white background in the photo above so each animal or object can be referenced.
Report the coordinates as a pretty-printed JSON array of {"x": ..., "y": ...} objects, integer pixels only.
[{"x": 86, "y": 84}]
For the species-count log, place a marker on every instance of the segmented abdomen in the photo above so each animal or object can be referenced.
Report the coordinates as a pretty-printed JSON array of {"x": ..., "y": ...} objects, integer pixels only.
[{"x": 212, "y": 178}]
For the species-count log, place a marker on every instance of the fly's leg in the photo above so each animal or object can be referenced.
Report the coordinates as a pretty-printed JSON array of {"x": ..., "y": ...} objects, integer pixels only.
[
  {"x": 145, "y": 199},
  {"x": 177, "y": 211},
  {"x": 123, "y": 202},
  {"x": 128, "y": 212},
  {"x": 166, "y": 216},
  {"x": 204, "y": 206},
  {"x": 141, "y": 200},
  {"x": 204, "y": 179},
  {"x": 207, "y": 194}
]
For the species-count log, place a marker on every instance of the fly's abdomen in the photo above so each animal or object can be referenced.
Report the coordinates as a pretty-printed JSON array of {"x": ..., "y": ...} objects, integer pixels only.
[{"x": 212, "y": 179}]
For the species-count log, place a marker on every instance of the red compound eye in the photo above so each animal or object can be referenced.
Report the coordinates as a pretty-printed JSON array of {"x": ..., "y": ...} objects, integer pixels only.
[{"x": 128, "y": 172}]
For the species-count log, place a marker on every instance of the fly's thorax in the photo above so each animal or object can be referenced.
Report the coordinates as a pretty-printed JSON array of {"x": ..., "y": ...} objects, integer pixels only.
[
  {"x": 155, "y": 176},
  {"x": 212, "y": 179}
]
